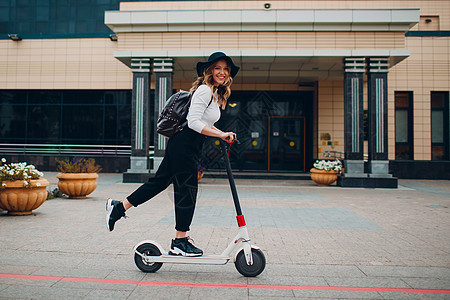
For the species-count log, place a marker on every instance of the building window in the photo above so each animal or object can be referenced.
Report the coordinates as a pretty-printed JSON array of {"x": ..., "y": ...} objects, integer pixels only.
[
  {"x": 404, "y": 130},
  {"x": 83, "y": 117},
  {"x": 439, "y": 125}
]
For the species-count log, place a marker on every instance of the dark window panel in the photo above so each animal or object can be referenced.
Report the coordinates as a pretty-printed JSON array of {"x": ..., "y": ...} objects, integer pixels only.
[
  {"x": 42, "y": 13},
  {"x": 4, "y": 14},
  {"x": 44, "y": 97},
  {"x": 83, "y": 97},
  {"x": 44, "y": 123},
  {"x": 42, "y": 27},
  {"x": 41, "y": 120},
  {"x": 24, "y": 3},
  {"x": 43, "y": 2},
  {"x": 440, "y": 126},
  {"x": 13, "y": 97},
  {"x": 110, "y": 122},
  {"x": 84, "y": 123},
  {"x": 124, "y": 124},
  {"x": 4, "y": 27},
  {"x": 12, "y": 122}
]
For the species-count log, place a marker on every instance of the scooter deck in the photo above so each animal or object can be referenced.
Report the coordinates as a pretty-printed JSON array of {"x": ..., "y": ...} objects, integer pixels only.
[{"x": 178, "y": 259}]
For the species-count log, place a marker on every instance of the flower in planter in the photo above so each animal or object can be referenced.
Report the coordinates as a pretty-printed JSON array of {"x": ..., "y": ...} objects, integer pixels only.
[
  {"x": 18, "y": 171},
  {"x": 77, "y": 177},
  {"x": 55, "y": 193},
  {"x": 78, "y": 165},
  {"x": 201, "y": 166},
  {"x": 328, "y": 165}
]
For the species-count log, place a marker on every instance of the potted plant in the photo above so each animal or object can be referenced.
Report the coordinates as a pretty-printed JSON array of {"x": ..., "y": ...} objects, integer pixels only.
[
  {"x": 325, "y": 171},
  {"x": 21, "y": 188},
  {"x": 200, "y": 169},
  {"x": 77, "y": 177}
]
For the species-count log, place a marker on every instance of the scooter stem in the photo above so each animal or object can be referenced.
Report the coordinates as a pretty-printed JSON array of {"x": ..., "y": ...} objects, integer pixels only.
[{"x": 234, "y": 193}]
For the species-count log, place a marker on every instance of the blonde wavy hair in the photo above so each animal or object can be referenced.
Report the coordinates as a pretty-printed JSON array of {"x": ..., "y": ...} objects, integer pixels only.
[{"x": 223, "y": 90}]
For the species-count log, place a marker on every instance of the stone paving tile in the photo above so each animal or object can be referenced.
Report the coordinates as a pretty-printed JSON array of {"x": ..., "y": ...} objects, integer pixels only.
[
  {"x": 430, "y": 283},
  {"x": 367, "y": 282},
  {"x": 27, "y": 282},
  {"x": 270, "y": 298},
  {"x": 131, "y": 274},
  {"x": 98, "y": 294},
  {"x": 160, "y": 292},
  {"x": 17, "y": 269},
  {"x": 73, "y": 272},
  {"x": 188, "y": 275},
  {"x": 94, "y": 285},
  {"x": 271, "y": 293},
  {"x": 222, "y": 278},
  {"x": 400, "y": 271},
  {"x": 304, "y": 294},
  {"x": 218, "y": 293},
  {"x": 412, "y": 296},
  {"x": 289, "y": 280},
  {"x": 44, "y": 292},
  {"x": 3, "y": 287},
  {"x": 314, "y": 270}
]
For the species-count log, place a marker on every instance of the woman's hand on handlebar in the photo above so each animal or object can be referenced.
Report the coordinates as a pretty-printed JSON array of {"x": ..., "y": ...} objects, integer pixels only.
[{"x": 229, "y": 137}]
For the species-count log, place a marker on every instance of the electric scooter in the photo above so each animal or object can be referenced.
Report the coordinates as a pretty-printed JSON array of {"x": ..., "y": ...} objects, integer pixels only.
[{"x": 248, "y": 259}]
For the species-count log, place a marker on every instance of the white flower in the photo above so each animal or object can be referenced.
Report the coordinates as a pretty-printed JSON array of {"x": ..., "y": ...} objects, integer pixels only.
[
  {"x": 38, "y": 184},
  {"x": 335, "y": 165},
  {"x": 3, "y": 184},
  {"x": 18, "y": 171}
]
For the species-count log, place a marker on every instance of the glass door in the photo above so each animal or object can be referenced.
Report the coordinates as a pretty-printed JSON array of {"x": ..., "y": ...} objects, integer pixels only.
[{"x": 286, "y": 144}]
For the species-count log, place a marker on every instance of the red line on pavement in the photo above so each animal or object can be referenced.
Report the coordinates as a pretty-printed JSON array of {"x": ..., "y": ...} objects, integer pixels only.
[{"x": 228, "y": 286}]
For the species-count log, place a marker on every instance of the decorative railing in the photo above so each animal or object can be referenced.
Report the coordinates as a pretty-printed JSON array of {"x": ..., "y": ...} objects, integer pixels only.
[
  {"x": 66, "y": 149},
  {"x": 339, "y": 155}
]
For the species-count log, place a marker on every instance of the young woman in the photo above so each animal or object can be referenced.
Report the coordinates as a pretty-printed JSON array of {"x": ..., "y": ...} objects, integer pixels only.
[{"x": 179, "y": 166}]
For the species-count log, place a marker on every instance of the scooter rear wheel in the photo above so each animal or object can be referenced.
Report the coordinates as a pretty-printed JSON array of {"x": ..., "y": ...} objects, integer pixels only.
[
  {"x": 259, "y": 263},
  {"x": 147, "y": 250}
]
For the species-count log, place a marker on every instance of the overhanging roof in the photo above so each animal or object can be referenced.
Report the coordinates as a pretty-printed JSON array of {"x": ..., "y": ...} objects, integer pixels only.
[
  {"x": 262, "y": 20},
  {"x": 269, "y": 66}
]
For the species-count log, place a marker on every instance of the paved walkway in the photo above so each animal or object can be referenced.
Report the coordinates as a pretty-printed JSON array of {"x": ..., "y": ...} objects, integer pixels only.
[{"x": 319, "y": 242}]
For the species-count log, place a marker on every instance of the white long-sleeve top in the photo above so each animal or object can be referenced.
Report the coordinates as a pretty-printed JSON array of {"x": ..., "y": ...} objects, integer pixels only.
[{"x": 200, "y": 114}]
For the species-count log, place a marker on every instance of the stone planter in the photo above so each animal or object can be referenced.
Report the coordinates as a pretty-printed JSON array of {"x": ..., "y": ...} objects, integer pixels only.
[
  {"x": 322, "y": 177},
  {"x": 20, "y": 200},
  {"x": 77, "y": 185}
]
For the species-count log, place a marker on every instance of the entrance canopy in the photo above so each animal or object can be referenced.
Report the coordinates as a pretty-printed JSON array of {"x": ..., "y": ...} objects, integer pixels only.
[
  {"x": 270, "y": 46},
  {"x": 269, "y": 66}
]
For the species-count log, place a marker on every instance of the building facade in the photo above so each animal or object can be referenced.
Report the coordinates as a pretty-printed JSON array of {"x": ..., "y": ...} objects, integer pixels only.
[{"x": 366, "y": 81}]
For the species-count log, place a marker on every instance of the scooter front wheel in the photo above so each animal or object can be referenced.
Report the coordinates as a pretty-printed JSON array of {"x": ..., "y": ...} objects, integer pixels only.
[
  {"x": 259, "y": 263},
  {"x": 147, "y": 249}
]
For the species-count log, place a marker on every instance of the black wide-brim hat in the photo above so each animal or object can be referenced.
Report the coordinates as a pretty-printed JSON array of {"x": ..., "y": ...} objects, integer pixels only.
[{"x": 201, "y": 66}]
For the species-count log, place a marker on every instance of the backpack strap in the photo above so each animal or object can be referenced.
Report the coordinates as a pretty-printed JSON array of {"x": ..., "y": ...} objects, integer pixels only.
[{"x": 210, "y": 101}]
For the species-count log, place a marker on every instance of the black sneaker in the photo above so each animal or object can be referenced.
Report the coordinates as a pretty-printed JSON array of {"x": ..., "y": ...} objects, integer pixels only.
[
  {"x": 114, "y": 213},
  {"x": 184, "y": 247}
]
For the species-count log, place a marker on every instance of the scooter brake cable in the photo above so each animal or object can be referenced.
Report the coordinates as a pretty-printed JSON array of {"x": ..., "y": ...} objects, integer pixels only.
[{"x": 229, "y": 146}]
